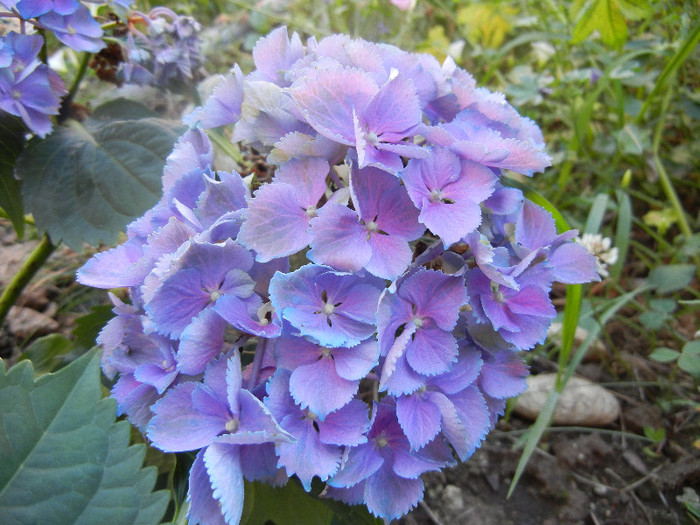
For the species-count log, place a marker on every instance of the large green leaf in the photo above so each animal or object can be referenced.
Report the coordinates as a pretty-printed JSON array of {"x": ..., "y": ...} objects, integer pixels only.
[
  {"x": 12, "y": 133},
  {"x": 64, "y": 458},
  {"x": 86, "y": 181}
]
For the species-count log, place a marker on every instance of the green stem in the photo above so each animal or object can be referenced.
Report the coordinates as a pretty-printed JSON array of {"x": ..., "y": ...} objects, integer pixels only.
[
  {"x": 32, "y": 265},
  {"x": 225, "y": 145},
  {"x": 664, "y": 179},
  {"x": 82, "y": 68}
]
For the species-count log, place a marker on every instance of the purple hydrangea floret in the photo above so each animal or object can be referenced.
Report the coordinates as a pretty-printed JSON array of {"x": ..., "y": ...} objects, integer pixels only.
[{"x": 381, "y": 283}]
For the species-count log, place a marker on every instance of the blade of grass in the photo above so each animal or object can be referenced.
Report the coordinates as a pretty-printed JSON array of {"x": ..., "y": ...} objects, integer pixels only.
[
  {"x": 595, "y": 216},
  {"x": 622, "y": 232},
  {"x": 536, "y": 431}
]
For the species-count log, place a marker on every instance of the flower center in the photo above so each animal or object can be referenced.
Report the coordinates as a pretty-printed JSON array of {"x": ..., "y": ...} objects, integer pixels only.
[
  {"x": 372, "y": 138},
  {"x": 328, "y": 308},
  {"x": 496, "y": 291},
  {"x": 371, "y": 226},
  {"x": 418, "y": 322},
  {"x": 232, "y": 425},
  {"x": 381, "y": 441},
  {"x": 214, "y": 295},
  {"x": 311, "y": 211},
  {"x": 325, "y": 352}
]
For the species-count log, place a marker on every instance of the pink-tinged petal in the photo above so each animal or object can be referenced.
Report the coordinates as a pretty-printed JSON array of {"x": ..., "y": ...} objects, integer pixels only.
[
  {"x": 573, "y": 264},
  {"x": 379, "y": 196},
  {"x": 436, "y": 295},
  {"x": 276, "y": 223},
  {"x": 276, "y": 53},
  {"x": 368, "y": 155},
  {"x": 390, "y": 496},
  {"x": 449, "y": 221},
  {"x": 223, "y": 106},
  {"x": 532, "y": 300},
  {"x": 327, "y": 97},
  {"x": 504, "y": 375},
  {"x": 338, "y": 239},
  {"x": 318, "y": 387},
  {"x": 347, "y": 426},
  {"x": 394, "y": 108},
  {"x": 356, "y": 362},
  {"x": 473, "y": 414},
  {"x": 390, "y": 256},
  {"x": 113, "y": 268},
  {"x": 203, "y": 509},
  {"x": 499, "y": 315},
  {"x": 452, "y": 426},
  {"x": 535, "y": 226},
  {"x": 200, "y": 342},
  {"x": 224, "y": 469},
  {"x": 300, "y": 145},
  {"x": 307, "y": 175},
  {"x": 419, "y": 419},
  {"x": 362, "y": 462},
  {"x": 431, "y": 351},
  {"x": 533, "y": 330},
  {"x": 178, "y": 426}
]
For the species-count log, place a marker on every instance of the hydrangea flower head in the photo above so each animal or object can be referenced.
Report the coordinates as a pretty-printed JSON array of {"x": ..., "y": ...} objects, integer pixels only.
[{"x": 384, "y": 279}]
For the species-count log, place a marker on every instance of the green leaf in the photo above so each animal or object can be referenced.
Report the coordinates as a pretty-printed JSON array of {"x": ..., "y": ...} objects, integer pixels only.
[
  {"x": 632, "y": 140},
  {"x": 671, "y": 277},
  {"x": 635, "y": 9},
  {"x": 603, "y": 15},
  {"x": 12, "y": 141},
  {"x": 48, "y": 353},
  {"x": 288, "y": 505},
  {"x": 64, "y": 458},
  {"x": 664, "y": 355},
  {"x": 291, "y": 505},
  {"x": 690, "y": 358},
  {"x": 88, "y": 326},
  {"x": 88, "y": 180}
]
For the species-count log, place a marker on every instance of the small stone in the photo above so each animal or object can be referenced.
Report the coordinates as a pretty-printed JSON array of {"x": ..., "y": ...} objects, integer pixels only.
[
  {"x": 25, "y": 322},
  {"x": 581, "y": 402},
  {"x": 453, "y": 499}
]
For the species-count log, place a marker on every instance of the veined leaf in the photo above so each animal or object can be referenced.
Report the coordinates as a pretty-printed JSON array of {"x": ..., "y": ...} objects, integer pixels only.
[
  {"x": 603, "y": 15},
  {"x": 65, "y": 460},
  {"x": 86, "y": 181}
]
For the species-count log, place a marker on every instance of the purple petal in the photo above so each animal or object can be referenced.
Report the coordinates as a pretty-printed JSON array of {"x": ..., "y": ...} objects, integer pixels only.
[
  {"x": 347, "y": 426},
  {"x": 318, "y": 387},
  {"x": 339, "y": 240},
  {"x": 432, "y": 351},
  {"x": 200, "y": 342},
  {"x": 390, "y": 496},
  {"x": 328, "y": 97},
  {"x": 419, "y": 419},
  {"x": 362, "y": 462},
  {"x": 223, "y": 466},
  {"x": 356, "y": 362},
  {"x": 307, "y": 457},
  {"x": 177, "y": 426},
  {"x": 200, "y": 495}
]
